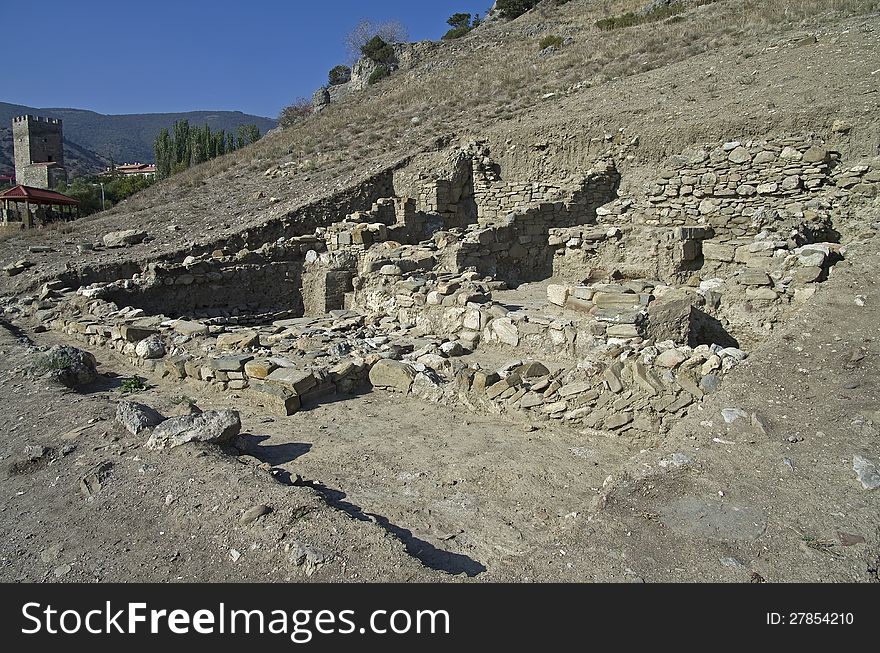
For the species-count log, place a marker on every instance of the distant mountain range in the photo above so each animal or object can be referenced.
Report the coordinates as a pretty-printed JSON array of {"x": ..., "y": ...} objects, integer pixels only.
[{"x": 92, "y": 139}]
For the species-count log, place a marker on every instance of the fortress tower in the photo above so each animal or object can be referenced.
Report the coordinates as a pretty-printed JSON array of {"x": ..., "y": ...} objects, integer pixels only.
[{"x": 39, "y": 151}]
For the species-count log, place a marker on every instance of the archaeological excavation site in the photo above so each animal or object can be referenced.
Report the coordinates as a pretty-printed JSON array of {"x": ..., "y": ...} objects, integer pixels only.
[{"x": 626, "y": 332}]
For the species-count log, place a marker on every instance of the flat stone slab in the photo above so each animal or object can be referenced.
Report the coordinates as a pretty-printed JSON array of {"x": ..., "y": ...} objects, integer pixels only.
[
  {"x": 714, "y": 520},
  {"x": 189, "y": 328},
  {"x": 300, "y": 381},
  {"x": 230, "y": 363}
]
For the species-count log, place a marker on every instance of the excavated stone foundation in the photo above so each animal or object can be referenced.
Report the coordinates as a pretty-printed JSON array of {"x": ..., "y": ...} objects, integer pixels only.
[{"x": 545, "y": 299}]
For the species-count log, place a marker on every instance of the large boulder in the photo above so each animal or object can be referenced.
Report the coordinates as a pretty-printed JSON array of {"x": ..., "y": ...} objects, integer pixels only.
[
  {"x": 213, "y": 426},
  {"x": 136, "y": 417},
  {"x": 124, "y": 238},
  {"x": 150, "y": 348},
  {"x": 392, "y": 375},
  {"x": 69, "y": 366},
  {"x": 671, "y": 319}
]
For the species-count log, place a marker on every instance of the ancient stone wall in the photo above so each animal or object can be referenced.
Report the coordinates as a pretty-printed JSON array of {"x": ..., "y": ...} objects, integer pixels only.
[
  {"x": 730, "y": 187},
  {"x": 596, "y": 252},
  {"x": 516, "y": 247}
]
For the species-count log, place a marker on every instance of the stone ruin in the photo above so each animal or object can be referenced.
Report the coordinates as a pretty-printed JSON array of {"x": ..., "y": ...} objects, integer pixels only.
[{"x": 545, "y": 300}]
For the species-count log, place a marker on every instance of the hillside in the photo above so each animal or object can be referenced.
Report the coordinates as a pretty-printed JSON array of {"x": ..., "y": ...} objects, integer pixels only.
[
  {"x": 604, "y": 311},
  {"x": 95, "y": 138}
]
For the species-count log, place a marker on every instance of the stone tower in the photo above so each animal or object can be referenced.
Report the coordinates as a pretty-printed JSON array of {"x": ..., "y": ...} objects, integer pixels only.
[{"x": 39, "y": 151}]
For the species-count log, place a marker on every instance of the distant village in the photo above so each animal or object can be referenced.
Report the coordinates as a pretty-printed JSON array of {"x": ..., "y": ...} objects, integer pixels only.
[{"x": 41, "y": 193}]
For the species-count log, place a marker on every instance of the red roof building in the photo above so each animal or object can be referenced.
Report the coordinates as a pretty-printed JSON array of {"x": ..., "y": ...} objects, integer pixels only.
[{"x": 48, "y": 205}]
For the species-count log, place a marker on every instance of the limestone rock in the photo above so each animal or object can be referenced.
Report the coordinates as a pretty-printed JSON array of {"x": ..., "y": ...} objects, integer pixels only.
[
  {"x": 253, "y": 514},
  {"x": 150, "y": 348},
  {"x": 718, "y": 252},
  {"x": 671, "y": 358},
  {"x": 557, "y": 294},
  {"x": 238, "y": 340},
  {"x": 392, "y": 375},
  {"x": 532, "y": 370},
  {"x": 69, "y": 366},
  {"x": 214, "y": 426},
  {"x": 739, "y": 155},
  {"x": 867, "y": 472},
  {"x": 299, "y": 381},
  {"x": 136, "y": 417},
  {"x": 259, "y": 369},
  {"x": 124, "y": 238},
  {"x": 278, "y": 399}
]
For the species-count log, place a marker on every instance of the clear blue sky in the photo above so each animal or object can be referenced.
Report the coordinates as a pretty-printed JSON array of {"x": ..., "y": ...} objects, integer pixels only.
[{"x": 145, "y": 56}]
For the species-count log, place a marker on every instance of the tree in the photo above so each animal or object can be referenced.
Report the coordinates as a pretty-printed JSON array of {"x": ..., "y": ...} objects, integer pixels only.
[
  {"x": 459, "y": 20},
  {"x": 510, "y": 9},
  {"x": 165, "y": 152},
  {"x": 378, "y": 50},
  {"x": 390, "y": 31},
  {"x": 461, "y": 25},
  {"x": 339, "y": 75},
  {"x": 296, "y": 112},
  {"x": 183, "y": 146},
  {"x": 248, "y": 134}
]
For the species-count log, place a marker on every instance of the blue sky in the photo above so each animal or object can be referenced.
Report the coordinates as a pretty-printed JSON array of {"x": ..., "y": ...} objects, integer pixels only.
[{"x": 146, "y": 56}]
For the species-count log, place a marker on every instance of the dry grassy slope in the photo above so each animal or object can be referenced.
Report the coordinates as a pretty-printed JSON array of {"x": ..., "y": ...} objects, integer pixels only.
[{"x": 728, "y": 69}]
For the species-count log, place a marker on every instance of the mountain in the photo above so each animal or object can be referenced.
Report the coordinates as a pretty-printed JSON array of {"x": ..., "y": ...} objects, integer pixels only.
[{"x": 93, "y": 138}]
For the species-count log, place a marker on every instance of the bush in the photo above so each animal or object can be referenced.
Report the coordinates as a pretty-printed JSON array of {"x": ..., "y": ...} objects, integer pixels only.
[
  {"x": 380, "y": 73},
  {"x": 390, "y": 31},
  {"x": 511, "y": 9},
  {"x": 133, "y": 385},
  {"x": 378, "y": 50},
  {"x": 550, "y": 41},
  {"x": 339, "y": 75},
  {"x": 629, "y": 19},
  {"x": 456, "y": 33},
  {"x": 296, "y": 112}
]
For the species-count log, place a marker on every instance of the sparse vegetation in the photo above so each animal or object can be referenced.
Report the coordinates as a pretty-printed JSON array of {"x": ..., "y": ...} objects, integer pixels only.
[
  {"x": 510, "y": 9},
  {"x": 133, "y": 385},
  {"x": 658, "y": 13},
  {"x": 381, "y": 72},
  {"x": 550, "y": 41},
  {"x": 296, "y": 112},
  {"x": 518, "y": 79}
]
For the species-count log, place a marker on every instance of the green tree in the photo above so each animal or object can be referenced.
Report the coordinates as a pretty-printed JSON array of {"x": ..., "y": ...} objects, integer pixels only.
[
  {"x": 248, "y": 134},
  {"x": 182, "y": 142},
  {"x": 164, "y": 150},
  {"x": 459, "y": 20},
  {"x": 339, "y": 75},
  {"x": 378, "y": 50},
  {"x": 461, "y": 24},
  {"x": 510, "y": 9},
  {"x": 390, "y": 31}
]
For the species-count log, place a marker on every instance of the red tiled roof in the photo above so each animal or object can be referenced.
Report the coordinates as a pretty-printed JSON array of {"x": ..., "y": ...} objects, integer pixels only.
[{"x": 22, "y": 193}]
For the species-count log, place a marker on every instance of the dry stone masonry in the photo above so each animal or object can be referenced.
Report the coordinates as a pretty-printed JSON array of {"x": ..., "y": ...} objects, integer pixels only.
[{"x": 613, "y": 313}]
